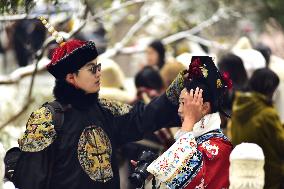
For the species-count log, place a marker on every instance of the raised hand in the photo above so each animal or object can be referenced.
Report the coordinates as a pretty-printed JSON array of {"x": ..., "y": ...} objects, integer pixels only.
[{"x": 192, "y": 108}]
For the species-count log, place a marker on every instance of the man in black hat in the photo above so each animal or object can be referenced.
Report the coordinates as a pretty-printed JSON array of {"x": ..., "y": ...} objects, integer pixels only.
[{"x": 81, "y": 154}]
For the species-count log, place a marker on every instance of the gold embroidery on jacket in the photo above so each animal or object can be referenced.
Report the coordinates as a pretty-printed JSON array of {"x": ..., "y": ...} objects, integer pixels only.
[
  {"x": 117, "y": 108},
  {"x": 40, "y": 132},
  {"x": 94, "y": 154}
]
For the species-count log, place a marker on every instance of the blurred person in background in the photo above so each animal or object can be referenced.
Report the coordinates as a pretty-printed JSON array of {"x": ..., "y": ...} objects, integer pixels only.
[
  {"x": 113, "y": 82},
  {"x": 27, "y": 37},
  {"x": 276, "y": 64},
  {"x": 149, "y": 84},
  {"x": 156, "y": 54},
  {"x": 251, "y": 58},
  {"x": 234, "y": 67},
  {"x": 255, "y": 120},
  {"x": 170, "y": 70},
  {"x": 265, "y": 51},
  {"x": 4, "y": 182}
]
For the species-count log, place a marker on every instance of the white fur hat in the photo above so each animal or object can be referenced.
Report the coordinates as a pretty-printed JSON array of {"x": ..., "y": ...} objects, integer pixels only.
[
  {"x": 251, "y": 58},
  {"x": 246, "y": 167}
]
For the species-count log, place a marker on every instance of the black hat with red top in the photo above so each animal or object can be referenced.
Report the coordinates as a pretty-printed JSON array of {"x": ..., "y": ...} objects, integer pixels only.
[{"x": 70, "y": 56}]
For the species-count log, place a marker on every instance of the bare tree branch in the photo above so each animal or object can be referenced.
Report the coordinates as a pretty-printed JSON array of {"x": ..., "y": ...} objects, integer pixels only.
[
  {"x": 189, "y": 34},
  {"x": 208, "y": 43},
  {"x": 194, "y": 38},
  {"x": 14, "y": 117},
  {"x": 113, "y": 9},
  {"x": 20, "y": 73},
  {"x": 220, "y": 14},
  {"x": 136, "y": 27},
  {"x": 16, "y": 17}
]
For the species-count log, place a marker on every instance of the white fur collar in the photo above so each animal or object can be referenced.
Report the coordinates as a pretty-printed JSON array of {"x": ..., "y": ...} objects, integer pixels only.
[{"x": 208, "y": 123}]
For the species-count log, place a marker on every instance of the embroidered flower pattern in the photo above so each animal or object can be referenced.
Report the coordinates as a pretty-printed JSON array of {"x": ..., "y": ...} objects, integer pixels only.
[
  {"x": 211, "y": 150},
  {"x": 201, "y": 185},
  {"x": 178, "y": 154},
  {"x": 227, "y": 80},
  {"x": 185, "y": 173},
  {"x": 197, "y": 70},
  {"x": 204, "y": 72}
]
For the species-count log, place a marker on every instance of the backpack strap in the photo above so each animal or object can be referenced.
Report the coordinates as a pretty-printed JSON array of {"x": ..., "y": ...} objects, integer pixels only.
[{"x": 57, "y": 111}]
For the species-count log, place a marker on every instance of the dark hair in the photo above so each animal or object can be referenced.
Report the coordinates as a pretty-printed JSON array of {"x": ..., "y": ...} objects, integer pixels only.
[
  {"x": 158, "y": 46},
  {"x": 150, "y": 78},
  {"x": 235, "y": 67},
  {"x": 265, "y": 51},
  {"x": 206, "y": 94},
  {"x": 263, "y": 81}
]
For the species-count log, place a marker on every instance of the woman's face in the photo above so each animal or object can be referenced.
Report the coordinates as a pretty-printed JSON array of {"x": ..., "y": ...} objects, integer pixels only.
[
  {"x": 206, "y": 108},
  {"x": 152, "y": 56}
]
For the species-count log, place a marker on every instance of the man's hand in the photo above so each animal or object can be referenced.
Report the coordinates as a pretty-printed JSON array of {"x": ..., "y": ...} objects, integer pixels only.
[{"x": 193, "y": 102}]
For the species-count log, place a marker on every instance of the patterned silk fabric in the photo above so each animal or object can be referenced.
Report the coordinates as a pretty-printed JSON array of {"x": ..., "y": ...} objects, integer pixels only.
[
  {"x": 94, "y": 154},
  {"x": 174, "y": 90},
  {"x": 115, "y": 107},
  {"x": 197, "y": 164},
  {"x": 40, "y": 131}
]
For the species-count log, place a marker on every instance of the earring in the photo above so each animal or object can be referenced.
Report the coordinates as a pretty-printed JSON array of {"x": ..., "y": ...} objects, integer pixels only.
[{"x": 202, "y": 123}]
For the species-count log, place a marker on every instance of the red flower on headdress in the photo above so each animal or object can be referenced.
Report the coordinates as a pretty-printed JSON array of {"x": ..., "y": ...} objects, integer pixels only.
[
  {"x": 194, "y": 70},
  {"x": 227, "y": 80}
]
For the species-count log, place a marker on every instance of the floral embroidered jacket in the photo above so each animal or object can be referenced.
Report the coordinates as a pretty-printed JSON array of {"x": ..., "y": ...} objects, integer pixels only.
[{"x": 197, "y": 160}]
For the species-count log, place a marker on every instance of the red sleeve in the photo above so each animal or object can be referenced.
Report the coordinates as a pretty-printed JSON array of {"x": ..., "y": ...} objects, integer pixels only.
[{"x": 214, "y": 173}]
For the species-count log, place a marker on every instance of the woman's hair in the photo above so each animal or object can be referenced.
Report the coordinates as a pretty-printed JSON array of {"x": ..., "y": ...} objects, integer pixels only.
[
  {"x": 263, "y": 81},
  {"x": 235, "y": 67},
  {"x": 206, "y": 94},
  {"x": 150, "y": 78},
  {"x": 265, "y": 51},
  {"x": 158, "y": 46}
]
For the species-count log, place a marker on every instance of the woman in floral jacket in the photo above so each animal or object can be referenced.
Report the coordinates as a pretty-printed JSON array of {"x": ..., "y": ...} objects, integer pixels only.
[{"x": 200, "y": 156}]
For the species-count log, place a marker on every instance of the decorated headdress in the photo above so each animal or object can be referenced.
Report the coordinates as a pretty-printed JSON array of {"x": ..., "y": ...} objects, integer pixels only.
[
  {"x": 70, "y": 56},
  {"x": 203, "y": 73}
]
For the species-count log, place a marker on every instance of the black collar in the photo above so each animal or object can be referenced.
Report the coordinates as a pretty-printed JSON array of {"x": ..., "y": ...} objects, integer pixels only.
[{"x": 66, "y": 93}]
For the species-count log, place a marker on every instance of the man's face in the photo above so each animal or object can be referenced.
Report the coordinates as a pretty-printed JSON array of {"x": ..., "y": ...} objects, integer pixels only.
[{"x": 88, "y": 77}]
